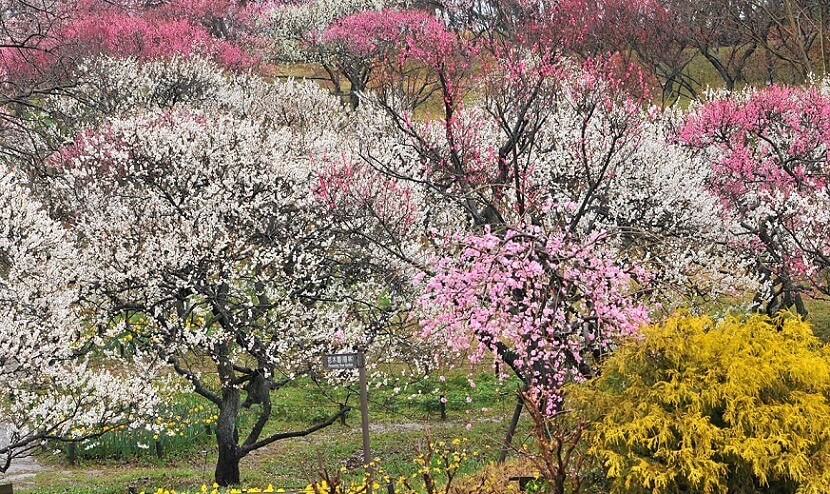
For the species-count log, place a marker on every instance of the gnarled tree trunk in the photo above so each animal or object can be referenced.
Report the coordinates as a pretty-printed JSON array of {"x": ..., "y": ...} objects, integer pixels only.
[{"x": 227, "y": 438}]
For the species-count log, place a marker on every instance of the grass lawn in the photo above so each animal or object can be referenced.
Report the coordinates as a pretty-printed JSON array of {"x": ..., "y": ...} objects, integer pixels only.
[
  {"x": 287, "y": 464},
  {"x": 819, "y": 317},
  {"x": 399, "y": 424},
  {"x": 400, "y": 421}
]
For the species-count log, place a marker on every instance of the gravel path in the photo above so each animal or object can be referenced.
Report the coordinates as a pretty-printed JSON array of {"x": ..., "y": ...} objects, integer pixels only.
[{"x": 21, "y": 468}]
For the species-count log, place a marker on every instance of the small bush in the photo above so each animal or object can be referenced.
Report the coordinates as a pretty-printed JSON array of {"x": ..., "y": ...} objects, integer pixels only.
[{"x": 736, "y": 406}]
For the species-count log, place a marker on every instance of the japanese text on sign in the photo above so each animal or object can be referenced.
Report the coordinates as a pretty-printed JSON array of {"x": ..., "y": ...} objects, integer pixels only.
[{"x": 343, "y": 361}]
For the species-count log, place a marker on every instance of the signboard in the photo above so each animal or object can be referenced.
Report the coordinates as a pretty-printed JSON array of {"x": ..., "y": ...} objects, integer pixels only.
[{"x": 344, "y": 361}]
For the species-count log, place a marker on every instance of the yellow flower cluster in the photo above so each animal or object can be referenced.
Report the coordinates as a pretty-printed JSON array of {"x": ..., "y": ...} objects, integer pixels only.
[
  {"x": 176, "y": 424},
  {"x": 217, "y": 490},
  {"x": 323, "y": 487},
  {"x": 82, "y": 430},
  {"x": 438, "y": 463}
]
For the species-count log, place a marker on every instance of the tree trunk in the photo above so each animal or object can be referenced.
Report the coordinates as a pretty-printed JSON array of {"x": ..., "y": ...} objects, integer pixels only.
[
  {"x": 720, "y": 68},
  {"x": 511, "y": 428},
  {"x": 560, "y": 480},
  {"x": 821, "y": 40},
  {"x": 227, "y": 465},
  {"x": 356, "y": 87},
  {"x": 227, "y": 434},
  {"x": 803, "y": 51}
]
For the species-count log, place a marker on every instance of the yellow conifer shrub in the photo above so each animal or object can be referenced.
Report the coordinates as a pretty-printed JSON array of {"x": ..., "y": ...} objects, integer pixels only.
[{"x": 698, "y": 406}]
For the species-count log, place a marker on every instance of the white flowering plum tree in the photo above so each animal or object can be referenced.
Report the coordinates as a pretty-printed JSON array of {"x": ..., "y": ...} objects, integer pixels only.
[
  {"x": 210, "y": 247},
  {"x": 112, "y": 86},
  {"x": 56, "y": 378},
  {"x": 201, "y": 254}
]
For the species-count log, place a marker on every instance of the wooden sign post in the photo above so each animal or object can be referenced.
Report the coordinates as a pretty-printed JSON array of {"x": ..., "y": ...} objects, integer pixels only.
[{"x": 345, "y": 361}]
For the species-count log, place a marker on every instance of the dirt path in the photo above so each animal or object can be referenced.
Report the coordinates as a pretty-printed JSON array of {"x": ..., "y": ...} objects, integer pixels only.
[{"x": 21, "y": 468}]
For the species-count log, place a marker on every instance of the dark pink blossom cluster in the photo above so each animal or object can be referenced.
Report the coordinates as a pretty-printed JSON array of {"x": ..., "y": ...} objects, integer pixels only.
[
  {"x": 376, "y": 32},
  {"x": 776, "y": 140},
  {"x": 148, "y": 34},
  {"x": 398, "y": 47},
  {"x": 210, "y": 28},
  {"x": 770, "y": 167}
]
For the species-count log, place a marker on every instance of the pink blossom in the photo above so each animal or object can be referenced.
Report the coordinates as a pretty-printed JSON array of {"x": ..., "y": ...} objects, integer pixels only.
[
  {"x": 770, "y": 169},
  {"x": 93, "y": 27},
  {"x": 540, "y": 303}
]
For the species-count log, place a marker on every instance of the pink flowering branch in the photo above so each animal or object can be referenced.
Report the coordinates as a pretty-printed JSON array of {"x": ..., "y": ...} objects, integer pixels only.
[
  {"x": 545, "y": 305},
  {"x": 92, "y": 27},
  {"x": 769, "y": 158}
]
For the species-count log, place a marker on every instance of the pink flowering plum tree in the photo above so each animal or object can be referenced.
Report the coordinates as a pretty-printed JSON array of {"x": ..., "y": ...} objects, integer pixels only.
[
  {"x": 378, "y": 44},
  {"x": 47, "y": 48},
  {"x": 293, "y": 27},
  {"x": 28, "y": 30},
  {"x": 366, "y": 43},
  {"x": 175, "y": 27},
  {"x": 557, "y": 168},
  {"x": 84, "y": 28},
  {"x": 768, "y": 151},
  {"x": 547, "y": 306}
]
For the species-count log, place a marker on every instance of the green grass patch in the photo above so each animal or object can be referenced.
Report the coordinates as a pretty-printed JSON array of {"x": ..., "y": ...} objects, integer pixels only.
[{"x": 400, "y": 417}]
